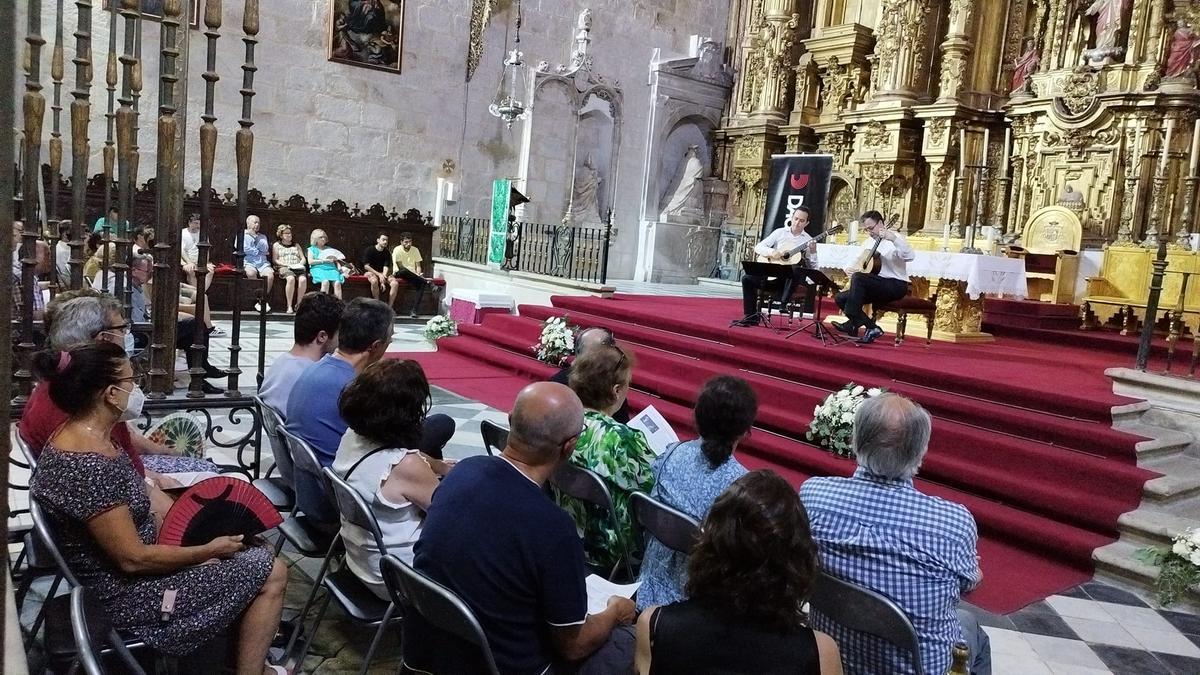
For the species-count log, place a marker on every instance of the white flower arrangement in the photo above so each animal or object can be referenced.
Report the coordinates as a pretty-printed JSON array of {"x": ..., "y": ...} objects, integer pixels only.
[
  {"x": 556, "y": 343},
  {"x": 1179, "y": 565},
  {"x": 440, "y": 327},
  {"x": 832, "y": 425}
]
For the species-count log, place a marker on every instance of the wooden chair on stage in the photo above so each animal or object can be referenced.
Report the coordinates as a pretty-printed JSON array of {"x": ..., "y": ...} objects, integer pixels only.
[
  {"x": 1050, "y": 248},
  {"x": 909, "y": 304}
]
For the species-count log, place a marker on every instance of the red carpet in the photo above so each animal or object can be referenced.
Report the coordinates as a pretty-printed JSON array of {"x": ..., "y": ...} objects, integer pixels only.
[{"x": 1021, "y": 427}]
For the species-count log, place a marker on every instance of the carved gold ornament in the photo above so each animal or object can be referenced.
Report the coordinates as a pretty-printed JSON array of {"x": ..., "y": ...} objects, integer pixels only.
[{"x": 876, "y": 135}]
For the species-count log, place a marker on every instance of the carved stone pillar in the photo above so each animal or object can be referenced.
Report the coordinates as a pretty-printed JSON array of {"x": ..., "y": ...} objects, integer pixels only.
[
  {"x": 767, "y": 69},
  {"x": 955, "y": 50},
  {"x": 902, "y": 52}
]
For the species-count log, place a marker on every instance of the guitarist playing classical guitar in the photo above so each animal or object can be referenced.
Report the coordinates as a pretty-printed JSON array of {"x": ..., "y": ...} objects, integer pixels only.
[
  {"x": 881, "y": 277},
  {"x": 775, "y": 247}
]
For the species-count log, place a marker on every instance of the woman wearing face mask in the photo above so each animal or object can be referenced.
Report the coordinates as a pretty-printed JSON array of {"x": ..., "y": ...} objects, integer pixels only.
[{"x": 173, "y": 597}]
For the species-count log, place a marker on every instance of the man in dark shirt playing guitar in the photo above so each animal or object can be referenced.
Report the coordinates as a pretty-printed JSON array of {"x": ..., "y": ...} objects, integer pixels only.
[{"x": 775, "y": 248}]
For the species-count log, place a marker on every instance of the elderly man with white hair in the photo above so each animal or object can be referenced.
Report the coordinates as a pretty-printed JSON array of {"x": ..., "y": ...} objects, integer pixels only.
[{"x": 876, "y": 530}]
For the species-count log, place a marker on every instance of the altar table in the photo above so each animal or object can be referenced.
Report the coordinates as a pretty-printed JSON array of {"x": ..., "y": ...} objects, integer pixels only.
[{"x": 959, "y": 280}]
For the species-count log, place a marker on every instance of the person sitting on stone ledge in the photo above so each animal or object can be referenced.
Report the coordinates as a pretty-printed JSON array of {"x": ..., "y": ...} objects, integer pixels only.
[
  {"x": 289, "y": 266},
  {"x": 386, "y": 408},
  {"x": 876, "y": 530}
]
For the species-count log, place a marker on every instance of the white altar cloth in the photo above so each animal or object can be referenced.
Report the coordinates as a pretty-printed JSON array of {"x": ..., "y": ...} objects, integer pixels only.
[{"x": 984, "y": 274}]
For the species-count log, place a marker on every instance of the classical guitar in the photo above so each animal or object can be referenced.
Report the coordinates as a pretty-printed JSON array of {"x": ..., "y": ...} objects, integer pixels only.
[
  {"x": 869, "y": 261},
  {"x": 794, "y": 256}
]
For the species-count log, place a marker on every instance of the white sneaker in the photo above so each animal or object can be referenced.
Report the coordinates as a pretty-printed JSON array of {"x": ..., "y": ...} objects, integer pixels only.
[
  {"x": 806, "y": 315},
  {"x": 217, "y": 331},
  {"x": 258, "y": 306}
]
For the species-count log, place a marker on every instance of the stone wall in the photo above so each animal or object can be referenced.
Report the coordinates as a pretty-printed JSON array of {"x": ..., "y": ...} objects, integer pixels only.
[{"x": 333, "y": 131}]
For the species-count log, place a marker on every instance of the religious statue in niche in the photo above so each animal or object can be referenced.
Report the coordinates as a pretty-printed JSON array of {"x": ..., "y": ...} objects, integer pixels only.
[
  {"x": 685, "y": 196},
  {"x": 585, "y": 205},
  {"x": 1025, "y": 66},
  {"x": 1184, "y": 51},
  {"x": 1109, "y": 14},
  {"x": 367, "y": 33},
  {"x": 1072, "y": 199}
]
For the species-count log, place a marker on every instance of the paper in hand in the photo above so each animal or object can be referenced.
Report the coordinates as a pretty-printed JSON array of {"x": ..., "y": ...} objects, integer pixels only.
[
  {"x": 657, "y": 429},
  {"x": 599, "y": 590}
]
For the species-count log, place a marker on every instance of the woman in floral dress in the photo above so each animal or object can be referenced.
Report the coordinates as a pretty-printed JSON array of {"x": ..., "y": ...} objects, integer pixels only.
[
  {"x": 175, "y": 598},
  {"x": 620, "y": 455}
]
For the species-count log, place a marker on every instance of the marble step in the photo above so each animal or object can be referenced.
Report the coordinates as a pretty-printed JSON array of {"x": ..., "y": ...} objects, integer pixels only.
[
  {"x": 1129, "y": 414},
  {"x": 1116, "y": 563},
  {"x": 1180, "y": 479},
  {"x": 1161, "y": 441},
  {"x": 1147, "y": 526}
]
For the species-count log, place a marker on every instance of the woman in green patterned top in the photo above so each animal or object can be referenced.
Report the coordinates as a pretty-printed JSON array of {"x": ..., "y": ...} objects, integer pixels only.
[{"x": 620, "y": 455}]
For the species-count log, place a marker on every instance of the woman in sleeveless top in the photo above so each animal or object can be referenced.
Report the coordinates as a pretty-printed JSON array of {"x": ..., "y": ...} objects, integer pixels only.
[
  {"x": 176, "y": 598},
  {"x": 748, "y": 579},
  {"x": 385, "y": 409}
]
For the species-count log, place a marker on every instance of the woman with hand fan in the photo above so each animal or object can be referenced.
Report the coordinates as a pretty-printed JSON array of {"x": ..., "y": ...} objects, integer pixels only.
[
  {"x": 175, "y": 598},
  {"x": 385, "y": 408}
]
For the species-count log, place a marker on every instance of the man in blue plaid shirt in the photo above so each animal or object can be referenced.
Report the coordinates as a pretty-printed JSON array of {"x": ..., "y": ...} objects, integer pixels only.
[{"x": 876, "y": 530}]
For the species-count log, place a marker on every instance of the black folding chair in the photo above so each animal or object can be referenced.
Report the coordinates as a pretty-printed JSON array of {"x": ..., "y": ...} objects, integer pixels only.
[
  {"x": 311, "y": 539},
  {"x": 590, "y": 488},
  {"x": 437, "y": 605},
  {"x": 279, "y": 488},
  {"x": 865, "y": 611},
  {"x": 673, "y": 528},
  {"x": 95, "y": 636},
  {"x": 495, "y": 437},
  {"x": 358, "y": 601},
  {"x": 60, "y": 636}
]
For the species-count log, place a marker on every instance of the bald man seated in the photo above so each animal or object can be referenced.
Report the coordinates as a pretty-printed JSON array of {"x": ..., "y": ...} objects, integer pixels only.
[
  {"x": 496, "y": 539},
  {"x": 587, "y": 339}
]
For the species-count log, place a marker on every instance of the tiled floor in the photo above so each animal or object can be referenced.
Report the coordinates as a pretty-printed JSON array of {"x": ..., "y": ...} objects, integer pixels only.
[{"x": 1094, "y": 628}]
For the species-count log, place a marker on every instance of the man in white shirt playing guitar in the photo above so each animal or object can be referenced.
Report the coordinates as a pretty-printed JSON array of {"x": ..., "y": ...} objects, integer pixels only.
[
  {"x": 775, "y": 247},
  {"x": 880, "y": 277}
]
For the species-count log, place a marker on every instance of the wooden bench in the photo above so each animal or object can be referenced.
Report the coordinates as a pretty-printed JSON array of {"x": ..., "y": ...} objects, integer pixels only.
[
  {"x": 220, "y": 294},
  {"x": 909, "y": 304}
]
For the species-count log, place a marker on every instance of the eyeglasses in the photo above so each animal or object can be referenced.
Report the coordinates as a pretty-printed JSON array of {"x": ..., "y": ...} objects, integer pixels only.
[
  {"x": 123, "y": 327},
  {"x": 621, "y": 362}
]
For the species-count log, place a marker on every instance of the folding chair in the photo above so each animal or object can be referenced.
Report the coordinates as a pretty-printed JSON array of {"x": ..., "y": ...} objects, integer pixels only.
[
  {"x": 60, "y": 636},
  {"x": 865, "y": 611},
  {"x": 277, "y": 488},
  {"x": 354, "y": 597},
  {"x": 437, "y": 605},
  {"x": 94, "y": 636},
  {"x": 590, "y": 488},
  {"x": 309, "y": 538},
  {"x": 673, "y": 528},
  {"x": 495, "y": 437}
]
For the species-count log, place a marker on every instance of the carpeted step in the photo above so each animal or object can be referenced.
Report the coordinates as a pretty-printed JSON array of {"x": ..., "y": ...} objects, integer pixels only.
[
  {"x": 1081, "y": 434},
  {"x": 1070, "y": 486},
  {"x": 953, "y": 368}
]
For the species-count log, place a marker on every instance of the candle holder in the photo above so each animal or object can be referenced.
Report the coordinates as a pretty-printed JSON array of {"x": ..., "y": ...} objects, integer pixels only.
[
  {"x": 981, "y": 199},
  {"x": 1152, "y": 236},
  {"x": 956, "y": 218},
  {"x": 1183, "y": 238}
]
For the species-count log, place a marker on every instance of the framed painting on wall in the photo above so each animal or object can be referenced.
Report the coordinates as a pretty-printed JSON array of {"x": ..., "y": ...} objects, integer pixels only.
[
  {"x": 153, "y": 10},
  {"x": 367, "y": 33}
]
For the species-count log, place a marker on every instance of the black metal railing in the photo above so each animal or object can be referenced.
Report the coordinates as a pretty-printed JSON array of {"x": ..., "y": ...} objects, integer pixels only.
[{"x": 576, "y": 252}]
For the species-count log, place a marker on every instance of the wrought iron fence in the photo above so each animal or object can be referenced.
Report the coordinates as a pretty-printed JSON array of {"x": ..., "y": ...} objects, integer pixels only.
[{"x": 577, "y": 252}]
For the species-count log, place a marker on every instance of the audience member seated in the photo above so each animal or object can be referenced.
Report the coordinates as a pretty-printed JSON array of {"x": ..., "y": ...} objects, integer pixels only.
[
  {"x": 109, "y": 222},
  {"x": 100, "y": 508},
  {"x": 325, "y": 263},
  {"x": 256, "y": 261},
  {"x": 21, "y": 296},
  {"x": 189, "y": 253},
  {"x": 377, "y": 268},
  {"x": 73, "y": 319},
  {"x": 690, "y": 476},
  {"x": 748, "y": 579},
  {"x": 585, "y": 340},
  {"x": 289, "y": 265},
  {"x": 876, "y": 530},
  {"x": 494, "y": 538},
  {"x": 406, "y": 265},
  {"x": 141, "y": 271},
  {"x": 620, "y": 455},
  {"x": 385, "y": 408},
  {"x": 143, "y": 242},
  {"x": 315, "y": 333},
  {"x": 364, "y": 333},
  {"x": 62, "y": 255}
]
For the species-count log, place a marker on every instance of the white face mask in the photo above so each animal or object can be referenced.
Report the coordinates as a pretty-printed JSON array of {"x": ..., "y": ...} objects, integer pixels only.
[
  {"x": 133, "y": 407},
  {"x": 129, "y": 344}
]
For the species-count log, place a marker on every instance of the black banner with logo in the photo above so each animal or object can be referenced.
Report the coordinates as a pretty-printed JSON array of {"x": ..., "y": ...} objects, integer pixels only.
[{"x": 797, "y": 180}]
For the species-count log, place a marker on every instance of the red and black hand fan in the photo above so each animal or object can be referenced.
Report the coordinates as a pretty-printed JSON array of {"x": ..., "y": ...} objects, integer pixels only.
[{"x": 217, "y": 507}]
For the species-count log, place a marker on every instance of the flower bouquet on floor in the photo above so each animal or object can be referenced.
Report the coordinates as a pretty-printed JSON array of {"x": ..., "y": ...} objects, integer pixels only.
[
  {"x": 439, "y": 327},
  {"x": 832, "y": 426},
  {"x": 556, "y": 343},
  {"x": 1179, "y": 566}
]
